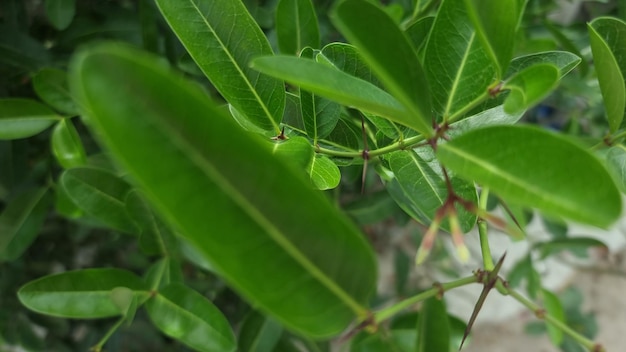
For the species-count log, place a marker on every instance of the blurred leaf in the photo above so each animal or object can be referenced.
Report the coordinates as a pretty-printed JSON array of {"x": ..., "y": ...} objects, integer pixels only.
[
  {"x": 377, "y": 342},
  {"x": 524, "y": 269},
  {"x": 556, "y": 227},
  {"x": 433, "y": 327},
  {"x": 418, "y": 32},
  {"x": 529, "y": 86},
  {"x": 517, "y": 163},
  {"x": 389, "y": 54},
  {"x": 564, "y": 60},
  {"x": 224, "y": 52},
  {"x": 66, "y": 145},
  {"x": 187, "y": 316},
  {"x": 324, "y": 172},
  {"x": 553, "y": 307},
  {"x": 371, "y": 208},
  {"x": 21, "y": 220},
  {"x": 246, "y": 192},
  {"x": 296, "y": 26},
  {"x": 99, "y": 194},
  {"x": 616, "y": 162},
  {"x": 80, "y": 294},
  {"x": 155, "y": 236},
  {"x": 577, "y": 245},
  {"x": 21, "y": 118},
  {"x": 259, "y": 333},
  {"x": 348, "y": 59},
  {"x": 50, "y": 84},
  {"x": 608, "y": 45},
  {"x": 60, "y": 12}
]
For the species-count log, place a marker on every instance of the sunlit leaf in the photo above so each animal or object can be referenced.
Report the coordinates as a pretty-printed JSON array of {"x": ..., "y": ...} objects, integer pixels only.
[
  {"x": 66, "y": 145},
  {"x": 564, "y": 60},
  {"x": 529, "y": 86},
  {"x": 324, "y": 173}
]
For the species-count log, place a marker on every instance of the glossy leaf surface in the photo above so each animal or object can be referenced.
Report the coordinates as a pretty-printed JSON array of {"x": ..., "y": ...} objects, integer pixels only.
[
  {"x": 187, "y": 316},
  {"x": 229, "y": 40},
  {"x": 296, "y": 26},
  {"x": 608, "y": 45},
  {"x": 324, "y": 173},
  {"x": 529, "y": 86},
  {"x": 50, "y": 84},
  {"x": 390, "y": 55},
  {"x": 433, "y": 327},
  {"x": 60, "y": 12},
  {"x": 564, "y": 60},
  {"x": 517, "y": 163},
  {"x": 247, "y": 193},
  {"x": 296, "y": 151},
  {"x": 21, "y": 118},
  {"x": 80, "y": 294},
  {"x": 66, "y": 145}
]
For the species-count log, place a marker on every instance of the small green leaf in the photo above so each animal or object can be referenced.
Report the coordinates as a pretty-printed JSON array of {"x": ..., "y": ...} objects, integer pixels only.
[
  {"x": 418, "y": 33},
  {"x": 608, "y": 45},
  {"x": 554, "y": 307},
  {"x": 60, "y": 12},
  {"x": 529, "y": 86},
  {"x": 259, "y": 333},
  {"x": 577, "y": 245},
  {"x": 564, "y": 60},
  {"x": 66, "y": 145},
  {"x": 616, "y": 162},
  {"x": 296, "y": 26},
  {"x": 230, "y": 39},
  {"x": 391, "y": 57},
  {"x": 324, "y": 173},
  {"x": 155, "y": 236},
  {"x": 492, "y": 117},
  {"x": 50, "y": 84},
  {"x": 99, "y": 194},
  {"x": 535, "y": 168},
  {"x": 295, "y": 150},
  {"x": 21, "y": 118},
  {"x": 433, "y": 327},
  {"x": 187, "y": 316},
  {"x": 21, "y": 221},
  {"x": 80, "y": 294},
  {"x": 347, "y": 58}
]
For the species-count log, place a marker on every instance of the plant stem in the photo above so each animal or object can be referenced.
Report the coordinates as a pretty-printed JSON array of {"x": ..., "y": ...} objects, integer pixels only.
[
  {"x": 409, "y": 142},
  {"x": 388, "y": 312},
  {"x": 467, "y": 108},
  {"x": 482, "y": 232},
  {"x": 107, "y": 336}
]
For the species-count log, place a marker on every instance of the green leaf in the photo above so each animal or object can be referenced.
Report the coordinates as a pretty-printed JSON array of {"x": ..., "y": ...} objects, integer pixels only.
[
  {"x": 99, "y": 194},
  {"x": 458, "y": 68},
  {"x": 296, "y": 26},
  {"x": 421, "y": 179},
  {"x": 492, "y": 117},
  {"x": 532, "y": 167},
  {"x": 80, "y": 294},
  {"x": 324, "y": 172},
  {"x": 524, "y": 269},
  {"x": 259, "y": 333},
  {"x": 608, "y": 45},
  {"x": 50, "y": 84},
  {"x": 391, "y": 57},
  {"x": 529, "y": 86},
  {"x": 21, "y": 118},
  {"x": 496, "y": 22},
  {"x": 555, "y": 309},
  {"x": 155, "y": 237},
  {"x": 616, "y": 162},
  {"x": 575, "y": 244},
  {"x": 296, "y": 151},
  {"x": 564, "y": 60},
  {"x": 66, "y": 145},
  {"x": 418, "y": 33},
  {"x": 274, "y": 220},
  {"x": 21, "y": 221},
  {"x": 347, "y": 58},
  {"x": 371, "y": 208},
  {"x": 187, "y": 316},
  {"x": 433, "y": 327},
  {"x": 333, "y": 84},
  {"x": 60, "y": 12},
  {"x": 223, "y": 47}
]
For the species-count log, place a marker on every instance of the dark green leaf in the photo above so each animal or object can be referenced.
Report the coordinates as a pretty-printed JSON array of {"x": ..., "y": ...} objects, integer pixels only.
[
  {"x": 573, "y": 244},
  {"x": 80, "y": 294},
  {"x": 51, "y": 86},
  {"x": 259, "y": 333},
  {"x": 372, "y": 208},
  {"x": 524, "y": 270},
  {"x": 296, "y": 26},
  {"x": 564, "y": 60},
  {"x": 391, "y": 57},
  {"x": 433, "y": 327},
  {"x": 20, "y": 118},
  {"x": 187, "y": 316},
  {"x": 66, "y": 145},
  {"x": 553, "y": 307},
  {"x": 155, "y": 237},
  {"x": 532, "y": 167},
  {"x": 222, "y": 38},
  {"x": 616, "y": 162},
  {"x": 418, "y": 33},
  {"x": 345, "y": 135},
  {"x": 529, "y": 86},
  {"x": 324, "y": 173},
  {"x": 347, "y": 58},
  {"x": 275, "y": 222},
  {"x": 60, "y": 12}
]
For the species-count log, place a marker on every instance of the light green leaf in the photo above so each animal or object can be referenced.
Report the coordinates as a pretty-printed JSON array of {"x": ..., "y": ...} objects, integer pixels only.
[
  {"x": 296, "y": 151},
  {"x": 187, "y": 316},
  {"x": 555, "y": 309},
  {"x": 608, "y": 45},
  {"x": 274, "y": 220},
  {"x": 296, "y": 26},
  {"x": 21, "y": 221},
  {"x": 259, "y": 333},
  {"x": 333, "y": 84},
  {"x": 50, "y": 84},
  {"x": 222, "y": 38},
  {"x": 496, "y": 22},
  {"x": 324, "y": 172},
  {"x": 21, "y": 118},
  {"x": 80, "y": 294},
  {"x": 66, "y": 145},
  {"x": 155, "y": 236},
  {"x": 433, "y": 327},
  {"x": 564, "y": 60},
  {"x": 490, "y": 117},
  {"x": 60, "y": 12},
  {"x": 529, "y": 86},
  {"x": 616, "y": 162},
  {"x": 347, "y": 58},
  {"x": 123, "y": 298},
  {"x": 458, "y": 68},
  {"x": 391, "y": 57},
  {"x": 99, "y": 194},
  {"x": 535, "y": 168}
]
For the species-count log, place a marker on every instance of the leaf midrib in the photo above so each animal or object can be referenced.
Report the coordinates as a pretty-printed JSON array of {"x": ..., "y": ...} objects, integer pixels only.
[{"x": 459, "y": 74}]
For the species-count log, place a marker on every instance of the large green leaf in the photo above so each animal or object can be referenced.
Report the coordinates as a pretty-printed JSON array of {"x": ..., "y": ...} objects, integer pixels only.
[
  {"x": 608, "y": 45},
  {"x": 496, "y": 22},
  {"x": 185, "y": 315},
  {"x": 388, "y": 52},
  {"x": 66, "y": 145},
  {"x": 20, "y": 118},
  {"x": 222, "y": 38},
  {"x": 433, "y": 327},
  {"x": 529, "y": 86},
  {"x": 245, "y": 210},
  {"x": 21, "y": 221},
  {"x": 457, "y": 66},
  {"x": 296, "y": 26},
  {"x": 80, "y": 294},
  {"x": 532, "y": 167},
  {"x": 50, "y": 84}
]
